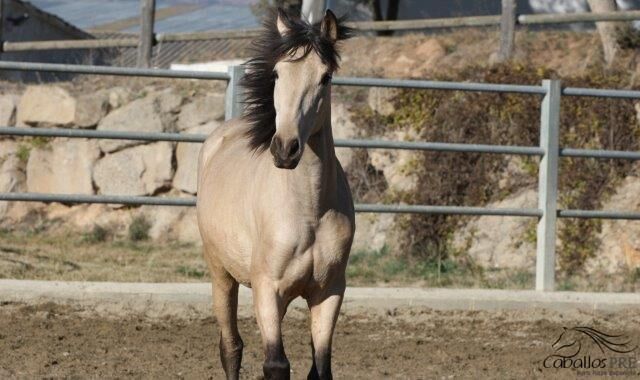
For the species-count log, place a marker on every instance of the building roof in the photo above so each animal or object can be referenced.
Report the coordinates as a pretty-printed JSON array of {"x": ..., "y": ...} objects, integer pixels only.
[
  {"x": 172, "y": 15},
  {"x": 53, "y": 19}
]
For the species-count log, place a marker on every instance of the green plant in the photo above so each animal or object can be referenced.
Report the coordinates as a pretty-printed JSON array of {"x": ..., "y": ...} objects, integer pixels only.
[
  {"x": 190, "y": 272},
  {"x": 370, "y": 266},
  {"x": 503, "y": 119},
  {"x": 628, "y": 38},
  {"x": 450, "y": 48},
  {"x": 23, "y": 153},
  {"x": 634, "y": 276},
  {"x": 522, "y": 279},
  {"x": 566, "y": 285},
  {"x": 98, "y": 234},
  {"x": 139, "y": 228},
  {"x": 40, "y": 142}
]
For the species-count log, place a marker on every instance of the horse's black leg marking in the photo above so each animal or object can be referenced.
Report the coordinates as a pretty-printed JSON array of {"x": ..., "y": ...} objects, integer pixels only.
[
  {"x": 321, "y": 366},
  {"x": 276, "y": 365},
  {"x": 231, "y": 357},
  {"x": 313, "y": 372}
]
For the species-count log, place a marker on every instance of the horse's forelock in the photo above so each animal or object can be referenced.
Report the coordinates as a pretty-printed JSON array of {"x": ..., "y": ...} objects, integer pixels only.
[{"x": 268, "y": 49}]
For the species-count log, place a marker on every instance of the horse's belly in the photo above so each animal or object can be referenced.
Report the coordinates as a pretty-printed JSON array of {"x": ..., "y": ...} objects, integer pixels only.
[
  {"x": 231, "y": 250},
  {"x": 224, "y": 232},
  {"x": 225, "y": 220},
  {"x": 238, "y": 266}
]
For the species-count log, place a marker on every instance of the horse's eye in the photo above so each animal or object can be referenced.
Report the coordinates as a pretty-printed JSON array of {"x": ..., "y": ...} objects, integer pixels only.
[
  {"x": 326, "y": 78},
  {"x": 274, "y": 75}
]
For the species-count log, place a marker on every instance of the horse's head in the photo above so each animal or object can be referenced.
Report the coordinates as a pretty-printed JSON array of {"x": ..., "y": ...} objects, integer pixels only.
[
  {"x": 289, "y": 84},
  {"x": 302, "y": 90}
]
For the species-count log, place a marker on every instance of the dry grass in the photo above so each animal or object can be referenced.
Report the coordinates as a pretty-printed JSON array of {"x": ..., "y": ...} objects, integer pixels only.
[
  {"x": 567, "y": 52},
  {"x": 73, "y": 257},
  {"x": 94, "y": 256},
  {"x": 381, "y": 268}
]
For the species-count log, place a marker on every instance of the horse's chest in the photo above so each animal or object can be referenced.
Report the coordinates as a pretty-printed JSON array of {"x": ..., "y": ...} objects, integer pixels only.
[
  {"x": 309, "y": 253},
  {"x": 332, "y": 245}
]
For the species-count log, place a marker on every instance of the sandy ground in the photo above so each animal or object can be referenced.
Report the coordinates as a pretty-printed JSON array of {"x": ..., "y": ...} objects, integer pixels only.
[{"x": 52, "y": 341}]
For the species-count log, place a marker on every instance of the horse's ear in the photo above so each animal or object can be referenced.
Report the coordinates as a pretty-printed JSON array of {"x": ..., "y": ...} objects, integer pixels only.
[
  {"x": 282, "y": 22},
  {"x": 329, "y": 26}
]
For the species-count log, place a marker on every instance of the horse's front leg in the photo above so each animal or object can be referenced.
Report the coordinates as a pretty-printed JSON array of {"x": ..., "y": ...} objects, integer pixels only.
[
  {"x": 270, "y": 309},
  {"x": 325, "y": 307},
  {"x": 225, "y": 308}
]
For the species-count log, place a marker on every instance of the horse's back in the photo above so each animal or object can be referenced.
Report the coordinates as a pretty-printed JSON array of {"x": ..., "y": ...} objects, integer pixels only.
[{"x": 220, "y": 138}]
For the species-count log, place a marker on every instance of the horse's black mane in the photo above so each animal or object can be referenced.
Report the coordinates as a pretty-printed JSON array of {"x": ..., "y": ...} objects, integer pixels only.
[{"x": 259, "y": 80}]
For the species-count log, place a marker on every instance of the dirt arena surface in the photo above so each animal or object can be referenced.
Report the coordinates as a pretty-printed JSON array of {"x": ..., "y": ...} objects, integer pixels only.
[{"x": 54, "y": 341}]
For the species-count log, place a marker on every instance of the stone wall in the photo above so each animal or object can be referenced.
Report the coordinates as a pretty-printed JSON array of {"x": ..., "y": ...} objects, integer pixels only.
[
  {"x": 121, "y": 167},
  {"x": 109, "y": 167},
  {"x": 118, "y": 167}
]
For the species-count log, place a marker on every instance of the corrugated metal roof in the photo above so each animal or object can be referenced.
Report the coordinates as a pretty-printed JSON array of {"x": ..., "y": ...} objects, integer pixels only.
[
  {"x": 213, "y": 14},
  {"x": 91, "y": 13},
  {"x": 206, "y": 18},
  {"x": 88, "y": 13}
]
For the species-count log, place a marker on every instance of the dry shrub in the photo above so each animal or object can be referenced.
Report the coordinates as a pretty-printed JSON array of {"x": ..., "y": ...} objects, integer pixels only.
[
  {"x": 139, "y": 228},
  {"x": 505, "y": 119},
  {"x": 592, "y": 123},
  {"x": 367, "y": 184}
]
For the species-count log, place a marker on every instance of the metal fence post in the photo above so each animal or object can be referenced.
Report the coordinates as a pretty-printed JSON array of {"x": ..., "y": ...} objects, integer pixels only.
[
  {"x": 313, "y": 10},
  {"x": 507, "y": 30},
  {"x": 2, "y": 16},
  {"x": 146, "y": 42},
  {"x": 233, "y": 97},
  {"x": 548, "y": 186}
]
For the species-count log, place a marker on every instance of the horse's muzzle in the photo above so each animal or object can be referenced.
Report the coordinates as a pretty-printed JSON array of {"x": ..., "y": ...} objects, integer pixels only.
[{"x": 285, "y": 155}]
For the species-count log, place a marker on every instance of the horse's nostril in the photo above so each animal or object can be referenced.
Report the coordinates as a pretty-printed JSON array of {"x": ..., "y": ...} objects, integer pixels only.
[
  {"x": 276, "y": 145},
  {"x": 293, "y": 148}
]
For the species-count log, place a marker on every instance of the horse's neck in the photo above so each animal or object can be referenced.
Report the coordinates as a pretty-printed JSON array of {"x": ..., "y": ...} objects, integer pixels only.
[
  {"x": 317, "y": 168},
  {"x": 321, "y": 143}
]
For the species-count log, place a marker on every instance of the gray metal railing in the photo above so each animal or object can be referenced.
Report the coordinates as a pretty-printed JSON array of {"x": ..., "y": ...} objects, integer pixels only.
[
  {"x": 548, "y": 151},
  {"x": 108, "y": 70},
  {"x": 507, "y": 21}
]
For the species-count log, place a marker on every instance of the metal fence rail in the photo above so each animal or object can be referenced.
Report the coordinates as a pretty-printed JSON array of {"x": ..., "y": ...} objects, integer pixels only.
[
  {"x": 10, "y": 46},
  {"x": 340, "y": 81},
  {"x": 437, "y": 85},
  {"x": 101, "y": 199},
  {"x": 109, "y": 70},
  {"x": 548, "y": 151},
  {"x": 569, "y": 18},
  {"x": 361, "y": 207},
  {"x": 361, "y": 26},
  {"x": 340, "y": 143},
  {"x": 600, "y": 93}
]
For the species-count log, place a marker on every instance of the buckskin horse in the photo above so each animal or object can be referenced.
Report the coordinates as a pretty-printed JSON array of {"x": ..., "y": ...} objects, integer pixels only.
[{"x": 274, "y": 207}]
